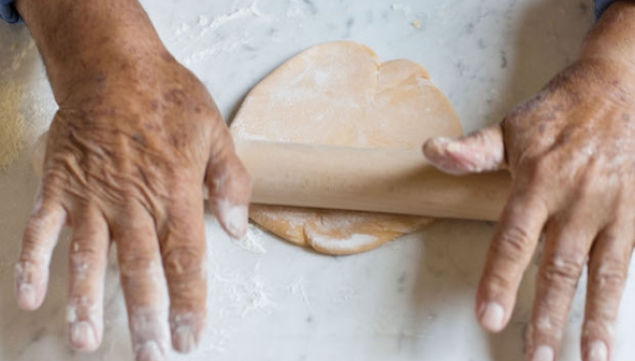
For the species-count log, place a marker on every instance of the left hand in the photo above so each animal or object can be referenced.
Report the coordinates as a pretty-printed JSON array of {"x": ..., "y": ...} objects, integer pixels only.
[
  {"x": 571, "y": 154},
  {"x": 135, "y": 138}
]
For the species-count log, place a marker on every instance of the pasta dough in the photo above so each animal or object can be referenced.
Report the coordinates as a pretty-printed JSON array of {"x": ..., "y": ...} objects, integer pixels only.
[{"x": 341, "y": 94}]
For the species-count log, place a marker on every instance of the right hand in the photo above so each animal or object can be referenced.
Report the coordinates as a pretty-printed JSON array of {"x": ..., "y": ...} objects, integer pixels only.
[{"x": 571, "y": 154}]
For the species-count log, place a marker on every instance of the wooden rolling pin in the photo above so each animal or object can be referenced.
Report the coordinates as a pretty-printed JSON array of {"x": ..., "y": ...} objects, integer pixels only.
[{"x": 390, "y": 181}]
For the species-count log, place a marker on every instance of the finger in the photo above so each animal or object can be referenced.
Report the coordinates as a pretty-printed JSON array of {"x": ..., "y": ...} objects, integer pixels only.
[
  {"x": 143, "y": 284},
  {"x": 32, "y": 269},
  {"x": 608, "y": 268},
  {"x": 229, "y": 191},
  {"x": 183, "y": 252},
  {"x": 567, "y": 243},
  {"x": 88, "y": 254},
  {"x": 481, "y": 151},
  {"x": 509, "y": 254}
]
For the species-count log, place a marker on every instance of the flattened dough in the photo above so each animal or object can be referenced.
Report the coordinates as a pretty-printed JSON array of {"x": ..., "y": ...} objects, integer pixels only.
[{"x": 341, "y": 94}]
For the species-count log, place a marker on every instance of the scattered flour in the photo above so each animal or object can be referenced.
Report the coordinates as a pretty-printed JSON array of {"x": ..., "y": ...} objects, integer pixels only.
[
  {"x": 252, "y": 241},
  {"x": 204, "y": 24},
  {"x": 402, "y": 8},
  {"x": 297, "y": 288},
  {"x": 407, "y": 12},
  {"x": 206, "y": 34},
  {"x": 245, "y": 294},
  {"x": 182, "y": 29},
  {"x": 257, "y": 296},
  {"x": 351, "y": 243},
  {"x": 12, "y": 124},
  {"x": 251, "y": 10},
  {"x": 223, "y": 47},
  {"x": 216, "y": 340}
]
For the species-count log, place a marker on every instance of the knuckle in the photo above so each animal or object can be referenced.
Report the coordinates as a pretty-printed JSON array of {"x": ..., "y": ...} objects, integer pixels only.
[
  {"x": 137, "y": 258},
  {"x": 83, "y": 259},
  {"x": 53, "y": 181},
  {"x": 548, "y": 327},
  {"x": 33, "y": 248},
  {"x": 496, "y": 282},
  {"x": 513, "y": 243},
  {"x": 562, "y": 270},
  {"x": 26, "y": 269},
  {"x": 86, "y": 251},
  {"x": 183, "y": 262},
  {"x": 79, "y": 266},
  {"x": 137, "y": 266},
  {"x": 31, "y": 239},
  {"x": 609, "y": 275},
  {"x": 82, "y": 302},
  {"x": 38, "y": 223},
  {"x": 595, "y": 326}
]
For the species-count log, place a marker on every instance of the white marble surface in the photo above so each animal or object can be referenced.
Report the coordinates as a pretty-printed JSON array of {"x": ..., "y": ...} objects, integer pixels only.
[{"x": 409, "y": 300}]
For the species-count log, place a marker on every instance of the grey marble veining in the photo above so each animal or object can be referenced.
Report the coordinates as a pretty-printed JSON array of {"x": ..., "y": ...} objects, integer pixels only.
[{"x": 409, "y": 300}]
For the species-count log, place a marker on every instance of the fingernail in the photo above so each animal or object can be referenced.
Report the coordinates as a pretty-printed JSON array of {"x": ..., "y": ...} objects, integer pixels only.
[
  {"x": 184, "y": 339},
  {"x": 441, "y": 141},
  {"x": 598, "y": 351},
  {"x": 26, "y": 296},
  {"x": 435, "y": 146},
  {"x": 83, "y": 337},
  {"x": 543, "y": 353},
  {"x": 234, "y": 217},
  {"x": 492, "y": 316},
  {"x": 149, "y": 351}
]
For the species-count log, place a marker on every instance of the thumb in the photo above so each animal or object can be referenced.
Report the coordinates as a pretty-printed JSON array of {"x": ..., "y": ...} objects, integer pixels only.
[
  {"x": 229, "y": 187},
  {"x": 481, "y": 151}
]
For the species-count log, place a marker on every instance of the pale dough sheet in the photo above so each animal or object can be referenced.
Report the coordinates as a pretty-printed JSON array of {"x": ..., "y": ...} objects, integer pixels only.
[{"x": 341, "y": 94}]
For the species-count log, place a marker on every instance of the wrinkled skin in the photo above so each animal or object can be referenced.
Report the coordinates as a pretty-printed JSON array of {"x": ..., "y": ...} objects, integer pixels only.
[
  {"x": 571, "y": 154},
  {"x": 127, "y": 154}
]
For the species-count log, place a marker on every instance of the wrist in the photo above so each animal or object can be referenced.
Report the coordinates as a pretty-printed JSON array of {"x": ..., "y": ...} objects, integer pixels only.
[
  {"x": 81, "y": 42},
  {"x": 613, "y": 37}
]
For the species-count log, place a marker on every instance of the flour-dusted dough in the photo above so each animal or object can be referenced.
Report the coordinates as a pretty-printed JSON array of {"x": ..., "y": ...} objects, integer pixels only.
[{"x": 341, "y": 94}]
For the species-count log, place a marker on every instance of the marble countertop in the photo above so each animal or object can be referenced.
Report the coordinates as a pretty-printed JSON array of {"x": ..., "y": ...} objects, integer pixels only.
[{"x": 409, "y": 300}]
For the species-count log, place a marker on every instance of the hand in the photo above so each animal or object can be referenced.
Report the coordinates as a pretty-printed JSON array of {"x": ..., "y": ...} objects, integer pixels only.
[
  {"x": 135, "y": 138},
  {"x": 571, "y": 154}
]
